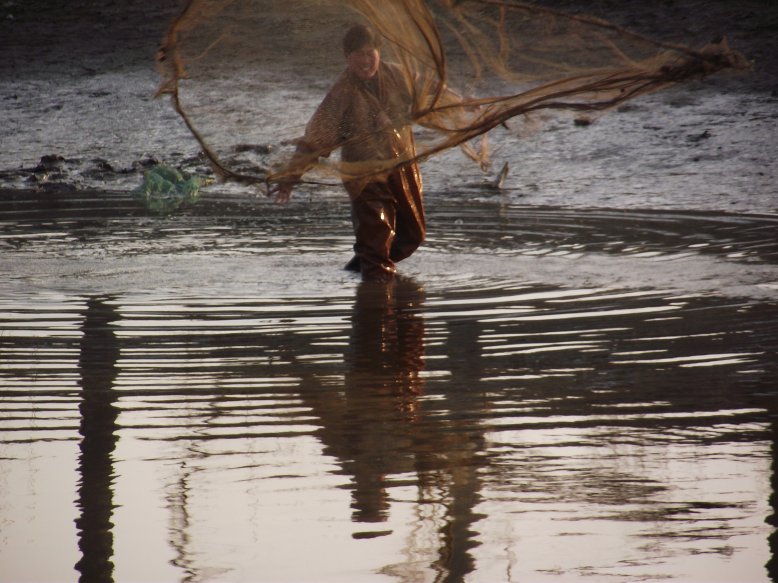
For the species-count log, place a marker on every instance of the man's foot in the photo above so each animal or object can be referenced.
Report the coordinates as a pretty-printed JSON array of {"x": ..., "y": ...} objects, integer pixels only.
[{"x": 354, "y": 265}]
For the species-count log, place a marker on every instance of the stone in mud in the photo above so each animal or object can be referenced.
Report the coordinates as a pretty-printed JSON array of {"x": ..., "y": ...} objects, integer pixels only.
[
  {"x": 101, "y": 169},
  {"x": 698, "y": 137},
  {"x": 49, "y": 162},
  {"x": 147, "y": 161},
  {"x": 261, "y": 149},
  {"x": 103, "y": 165}
]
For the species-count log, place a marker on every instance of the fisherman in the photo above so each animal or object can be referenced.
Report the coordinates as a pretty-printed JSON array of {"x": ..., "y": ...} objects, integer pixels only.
[{"x": 366, "y": 114}]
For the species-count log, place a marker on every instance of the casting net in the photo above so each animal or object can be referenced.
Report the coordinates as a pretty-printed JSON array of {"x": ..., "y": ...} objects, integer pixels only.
[{"x": 247, "y": 75}]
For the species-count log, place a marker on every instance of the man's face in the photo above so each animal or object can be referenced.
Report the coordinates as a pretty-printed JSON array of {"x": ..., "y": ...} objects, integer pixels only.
[{"x": 364, "y": 62}]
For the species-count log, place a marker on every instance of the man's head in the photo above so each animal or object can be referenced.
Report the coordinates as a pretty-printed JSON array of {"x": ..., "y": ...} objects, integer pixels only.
[{"x": 361, "y": 47}]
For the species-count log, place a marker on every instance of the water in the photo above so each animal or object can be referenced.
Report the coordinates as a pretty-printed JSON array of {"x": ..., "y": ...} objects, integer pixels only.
[{"x": 546, "y": 395}]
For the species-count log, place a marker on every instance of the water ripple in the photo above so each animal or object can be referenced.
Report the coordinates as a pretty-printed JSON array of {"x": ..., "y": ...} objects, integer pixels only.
[{"x": 509, "y": 399}]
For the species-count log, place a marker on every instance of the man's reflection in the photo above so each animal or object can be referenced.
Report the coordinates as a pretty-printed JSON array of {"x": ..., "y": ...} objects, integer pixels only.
[
  {"x": 97, "y": 363},
  {"x": 382, "y": 429},
  {"x": 384, "y": 362}
]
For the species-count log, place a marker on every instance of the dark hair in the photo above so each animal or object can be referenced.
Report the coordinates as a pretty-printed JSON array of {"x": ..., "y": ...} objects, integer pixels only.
[{"x": 359, "y": 36}]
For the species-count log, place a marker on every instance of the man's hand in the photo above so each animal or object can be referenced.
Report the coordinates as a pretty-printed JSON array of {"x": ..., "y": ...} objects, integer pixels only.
[{"x": 281, "y": 192}]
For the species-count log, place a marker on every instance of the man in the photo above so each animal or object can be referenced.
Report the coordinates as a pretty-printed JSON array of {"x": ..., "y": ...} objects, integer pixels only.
[{"x": 366, "y": 113}]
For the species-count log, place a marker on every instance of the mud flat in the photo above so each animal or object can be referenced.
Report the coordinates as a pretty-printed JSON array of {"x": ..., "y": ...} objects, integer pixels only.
[{"x": 76, "y": 95}]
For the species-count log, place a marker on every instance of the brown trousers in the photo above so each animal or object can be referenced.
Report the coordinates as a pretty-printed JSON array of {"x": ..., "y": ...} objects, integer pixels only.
[{"x": 389, "y": 222}]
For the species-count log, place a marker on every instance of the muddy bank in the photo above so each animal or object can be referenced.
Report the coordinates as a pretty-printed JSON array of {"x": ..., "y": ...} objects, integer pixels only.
[{"x": 76, "y": 94}]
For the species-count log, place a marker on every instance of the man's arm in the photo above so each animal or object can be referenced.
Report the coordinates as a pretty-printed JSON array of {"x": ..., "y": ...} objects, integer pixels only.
[
  {"x": 322, "y": 136},
  {"x": 304, "y": 157}
]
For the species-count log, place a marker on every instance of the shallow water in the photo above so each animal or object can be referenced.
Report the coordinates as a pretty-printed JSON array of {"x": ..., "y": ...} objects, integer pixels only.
[{"x": 545, "y": 395}]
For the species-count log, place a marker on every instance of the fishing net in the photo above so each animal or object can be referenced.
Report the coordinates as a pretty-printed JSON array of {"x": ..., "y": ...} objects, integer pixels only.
[{"x": 246, "y": 76}]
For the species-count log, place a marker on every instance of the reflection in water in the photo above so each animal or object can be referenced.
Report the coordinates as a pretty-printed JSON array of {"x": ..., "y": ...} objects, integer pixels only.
[
  {"x": 380, "y": 432},
  {"x": 180, "y": 524},
  {"x": 97, "y": 362},
  {"x": 486, "y": 428},
  {"x": 381, "y": 389},
  {"x": 382, "y": 386}
]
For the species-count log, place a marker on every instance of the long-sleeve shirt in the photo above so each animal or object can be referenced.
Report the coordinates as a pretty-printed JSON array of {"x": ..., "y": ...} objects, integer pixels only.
[{"x": 368, "y": 120}]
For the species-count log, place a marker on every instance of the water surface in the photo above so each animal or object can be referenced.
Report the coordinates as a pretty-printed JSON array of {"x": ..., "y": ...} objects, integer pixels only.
[{"x": 545, "y": 395}]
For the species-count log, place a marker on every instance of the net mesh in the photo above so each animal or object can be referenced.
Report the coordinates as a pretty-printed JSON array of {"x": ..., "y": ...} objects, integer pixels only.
[{"x": 246, "y": 76}]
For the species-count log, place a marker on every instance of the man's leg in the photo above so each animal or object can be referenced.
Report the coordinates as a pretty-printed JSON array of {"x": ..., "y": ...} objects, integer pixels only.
[
  {"x": 410, "y": 225},
  {"x": 374, "y": 217}
]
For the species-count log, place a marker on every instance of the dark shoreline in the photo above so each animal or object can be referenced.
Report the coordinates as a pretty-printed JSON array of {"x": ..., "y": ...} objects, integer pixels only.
[{"x": 82, "y": 37}]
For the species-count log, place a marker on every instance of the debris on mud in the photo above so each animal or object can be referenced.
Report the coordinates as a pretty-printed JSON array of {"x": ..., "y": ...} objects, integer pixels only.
[{"x": 165, "y": 189}]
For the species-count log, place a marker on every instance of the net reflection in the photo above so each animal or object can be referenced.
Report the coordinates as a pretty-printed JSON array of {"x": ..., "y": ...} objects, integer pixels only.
[
  {"x": 99, "y": 353},
  {"x": 179, "y": 493},
  {"x": 383, "y": 435}
]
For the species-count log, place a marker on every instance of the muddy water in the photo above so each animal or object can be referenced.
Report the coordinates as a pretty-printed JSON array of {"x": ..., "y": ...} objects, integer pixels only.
[{"x": 545, "y": 395}]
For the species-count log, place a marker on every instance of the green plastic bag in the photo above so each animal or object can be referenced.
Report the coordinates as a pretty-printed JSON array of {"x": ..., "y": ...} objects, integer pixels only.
[{"x": 165, "y": 189}]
